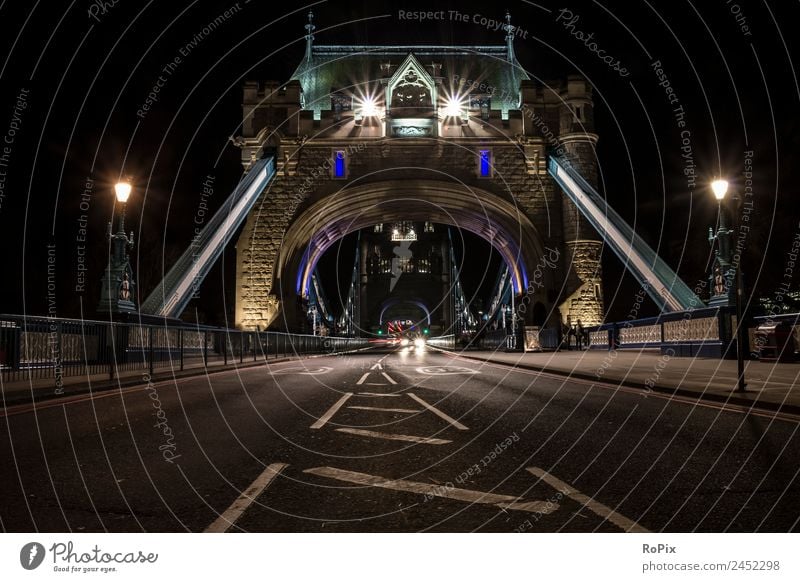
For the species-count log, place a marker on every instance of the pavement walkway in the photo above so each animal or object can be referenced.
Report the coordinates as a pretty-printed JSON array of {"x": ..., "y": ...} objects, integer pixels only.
[
  {"x": 25, "y": 390},
  {"x": 770, "y": 386}
]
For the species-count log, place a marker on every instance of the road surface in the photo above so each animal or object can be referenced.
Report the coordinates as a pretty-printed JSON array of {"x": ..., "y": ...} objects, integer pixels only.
[{"x": 410, "y": 440}]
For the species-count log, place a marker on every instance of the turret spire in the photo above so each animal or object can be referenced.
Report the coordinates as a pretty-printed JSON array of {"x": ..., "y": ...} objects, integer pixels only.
[
  {"x": 510, "y": 29},
  {"x": 310, "y": 34}
]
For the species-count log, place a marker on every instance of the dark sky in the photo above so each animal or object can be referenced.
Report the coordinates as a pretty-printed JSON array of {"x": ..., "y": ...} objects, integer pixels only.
[{"x": 84, "y": 77}]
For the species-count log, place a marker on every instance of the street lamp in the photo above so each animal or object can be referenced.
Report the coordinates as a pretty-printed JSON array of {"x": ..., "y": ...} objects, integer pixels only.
[
  {"x": 720, "y": 188},
  {"x": 724, "y": 272},
  {"x": 116, "y": 293},
  {"x": 313, "y": 313},
  {"x": 123, "y": 191}
]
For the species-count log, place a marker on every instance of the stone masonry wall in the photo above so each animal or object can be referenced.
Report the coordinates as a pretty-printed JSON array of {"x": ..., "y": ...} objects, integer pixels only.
[
  {"x": 257, "y": 297},
  {"x": 583, "y": 244}
]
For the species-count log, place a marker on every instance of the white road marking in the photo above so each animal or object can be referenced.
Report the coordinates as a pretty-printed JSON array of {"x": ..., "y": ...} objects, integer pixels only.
[
  {"x": 374, "y": 384},
  {"x": 238, "y": 507},
  {"x": 595, "y": 506},
  {"x": 375, "y": 394},
  {"x": 331, "y": 411},
  {"x": 438, "y": 412},
  {"x": 377, "y": 367},
  {"x": 445, "y": 370},
  {"x": 431, "y": 490},
  {"x": 394, "y": 437},
  {"x": 379, "y": 409},
  {"x": 385, "y": 375},
  {"x": 302, "y": 370},
  {"x": 364, "y": 377}
]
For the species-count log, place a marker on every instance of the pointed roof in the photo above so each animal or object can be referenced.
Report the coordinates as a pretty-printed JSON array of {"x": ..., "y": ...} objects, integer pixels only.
[{"x": 410, "y": 64}]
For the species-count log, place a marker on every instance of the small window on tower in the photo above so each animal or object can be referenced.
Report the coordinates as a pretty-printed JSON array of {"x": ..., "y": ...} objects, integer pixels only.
[
  {"x": 428, "y": 227},
  {"x": 339, "y": 164},
  {"x": 378, "y": 228},
  {"x": 485, "y": 163}
]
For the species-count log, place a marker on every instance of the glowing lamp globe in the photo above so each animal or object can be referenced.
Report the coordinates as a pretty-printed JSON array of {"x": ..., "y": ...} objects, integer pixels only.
[
  {"x": 123, "y": 191},
  {"x": 720, "y": 188},
  {"x": 453, "y": 107}
]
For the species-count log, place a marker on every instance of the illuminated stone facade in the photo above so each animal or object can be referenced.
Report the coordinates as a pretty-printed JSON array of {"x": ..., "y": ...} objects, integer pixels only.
[{"x": 417, "y": 139}]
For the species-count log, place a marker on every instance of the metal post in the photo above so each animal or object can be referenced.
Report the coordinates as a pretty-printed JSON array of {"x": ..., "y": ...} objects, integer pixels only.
[
  {"x": 110, "y": 343},
  {"x": 58, "y": 363},
  {"x": 150, "y": 348},
  {"x": 241, "y": 347},
  {"x": 180, "y": 342},
  {"x": 226, "y": 338},
  {"x": 741, "y": 385},
  {"x": 205, "y": 348}
]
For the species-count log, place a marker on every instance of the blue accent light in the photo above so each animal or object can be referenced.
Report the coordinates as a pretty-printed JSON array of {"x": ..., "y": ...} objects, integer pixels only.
[
  {"x": 339, "y": 166},
  {"x": 485, "y": 163}
]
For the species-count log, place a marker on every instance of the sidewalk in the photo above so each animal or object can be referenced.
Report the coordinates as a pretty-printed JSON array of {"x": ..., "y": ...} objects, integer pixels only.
[
  {"x": 770, "y": 386},
  {"x": 39, "y": 389}
]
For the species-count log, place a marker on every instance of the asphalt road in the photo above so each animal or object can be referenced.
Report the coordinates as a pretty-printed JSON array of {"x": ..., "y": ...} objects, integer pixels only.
[{"x": 400, "y": 441}]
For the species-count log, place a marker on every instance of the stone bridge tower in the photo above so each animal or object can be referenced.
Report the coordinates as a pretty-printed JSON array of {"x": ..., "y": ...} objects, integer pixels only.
[{"x": 457, "y": 135}]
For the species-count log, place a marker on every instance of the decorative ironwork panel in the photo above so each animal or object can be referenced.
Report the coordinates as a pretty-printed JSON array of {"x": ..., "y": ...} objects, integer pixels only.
[
  {"x": 598, "y": 338},
  {"x": 645, "y": 334},
  {"x": 700, "y": 329}
]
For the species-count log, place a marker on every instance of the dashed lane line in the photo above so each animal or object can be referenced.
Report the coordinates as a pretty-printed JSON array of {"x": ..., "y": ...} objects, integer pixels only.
[
  {"x": 394, "y": 437},
  {"x": 227, "y": 519},
  {"x": 377, "y": 394},
  {"x": 596, "y": 507},
  {"x": 438, "y": 412},
  {"x": 427, "y": 489},
  {"x": 331, "y": 411},
  {"x": 379, "y": 409}
]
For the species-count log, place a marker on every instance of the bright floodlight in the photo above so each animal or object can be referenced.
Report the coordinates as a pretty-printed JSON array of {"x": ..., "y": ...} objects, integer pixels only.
[
  {"x": 453, "y": 107},
  {"x": 369, "y": 108},
  {"x": 720, "y": 188},
  {"x": 419, "y": 343},
  {"x": 123, "y": 190}
]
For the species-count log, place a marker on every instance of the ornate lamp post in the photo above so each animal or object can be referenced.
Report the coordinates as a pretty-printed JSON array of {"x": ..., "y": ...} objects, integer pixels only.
[
  {"x": 117, "y": 291},
  {"x": 726, "y": 278},
  {"x": 721, "y": 274}
]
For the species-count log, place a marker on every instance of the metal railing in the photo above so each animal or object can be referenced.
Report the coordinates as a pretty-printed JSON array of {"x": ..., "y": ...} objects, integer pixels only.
[
  {"x": 699, "y": 332},
  {"x": 497, "y": 339},
  {"x": 443, "y": 341},
  {"x": 36, "y": 348}
]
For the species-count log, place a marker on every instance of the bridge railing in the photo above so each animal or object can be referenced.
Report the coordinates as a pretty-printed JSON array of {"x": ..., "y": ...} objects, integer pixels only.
[
  {"x": 497, "y": 339},
  {"x": 699, "y": 332},
  {"x": 443, "y": 341},
  {"x": 43, "y": 348}
]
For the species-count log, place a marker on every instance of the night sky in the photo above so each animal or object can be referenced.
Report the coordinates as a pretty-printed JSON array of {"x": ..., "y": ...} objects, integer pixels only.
[{"x": 75, "y": 74}]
